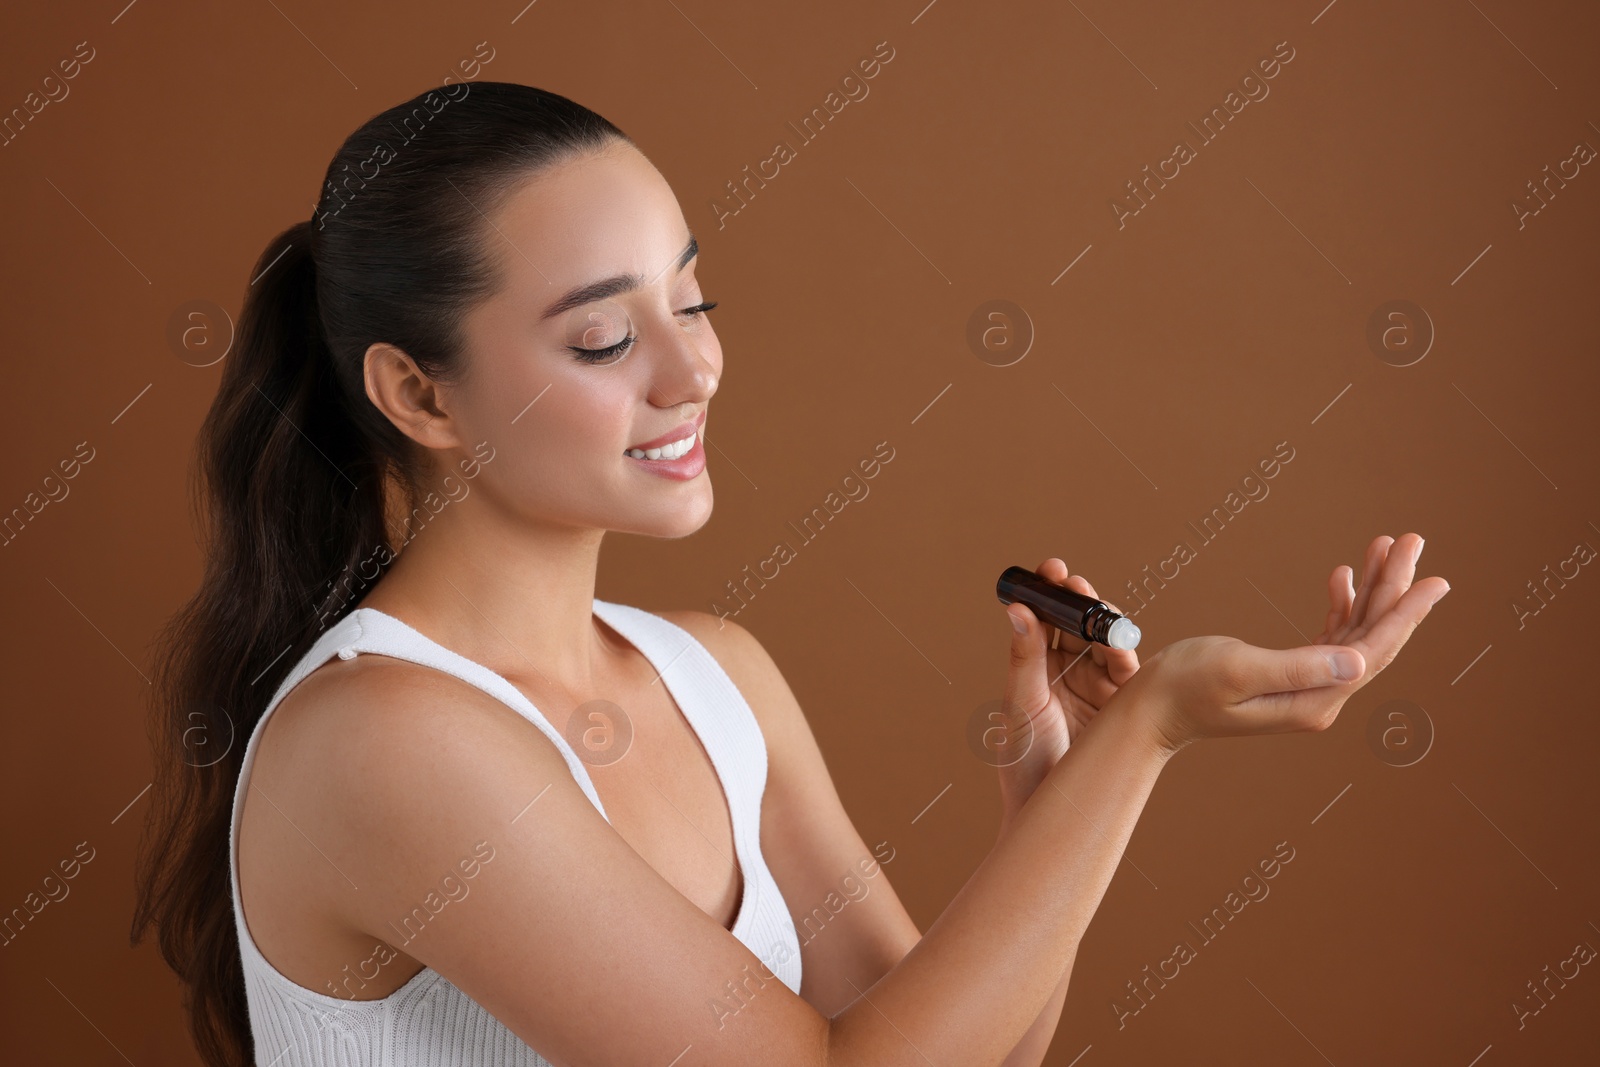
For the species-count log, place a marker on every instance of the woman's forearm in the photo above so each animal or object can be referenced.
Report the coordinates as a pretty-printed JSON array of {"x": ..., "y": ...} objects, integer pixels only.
[
  {"x": 1030, "y": 1051},
  {"x": 985, "y": 971}
]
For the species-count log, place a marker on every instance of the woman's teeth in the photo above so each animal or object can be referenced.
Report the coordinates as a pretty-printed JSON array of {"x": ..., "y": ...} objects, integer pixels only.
[{"x": 672, "y": 451}]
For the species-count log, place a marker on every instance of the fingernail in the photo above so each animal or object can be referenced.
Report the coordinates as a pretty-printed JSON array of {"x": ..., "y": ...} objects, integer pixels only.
[
  {"x": 1346, "y": 666},
  {"x": 1419, "y": 549},
  {"x": 1016, "y": 623}
]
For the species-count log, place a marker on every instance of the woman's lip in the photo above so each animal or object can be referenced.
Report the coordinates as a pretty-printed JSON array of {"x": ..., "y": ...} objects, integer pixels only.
[
  {"x": 685, "y": 468},
  {"x": 677, "y": 434}
]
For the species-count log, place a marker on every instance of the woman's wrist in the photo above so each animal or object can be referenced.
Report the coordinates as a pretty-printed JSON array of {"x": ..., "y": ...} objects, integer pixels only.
[
  {"x": 1146, "y": 717},
  {"x": 1133, "y": 722}
]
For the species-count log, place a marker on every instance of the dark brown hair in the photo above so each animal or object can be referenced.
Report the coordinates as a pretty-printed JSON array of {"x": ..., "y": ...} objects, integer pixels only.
[{"x": 293, "y": 461}]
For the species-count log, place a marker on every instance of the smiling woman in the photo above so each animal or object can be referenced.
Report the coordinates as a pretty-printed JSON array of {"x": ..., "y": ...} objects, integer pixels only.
[
  {"x": 523, "y": 277},
  {"x": 359, "y": 381}
]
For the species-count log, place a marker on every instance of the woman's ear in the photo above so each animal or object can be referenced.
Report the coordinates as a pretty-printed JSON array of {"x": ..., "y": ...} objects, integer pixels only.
[{"x": 409, "y": 398}]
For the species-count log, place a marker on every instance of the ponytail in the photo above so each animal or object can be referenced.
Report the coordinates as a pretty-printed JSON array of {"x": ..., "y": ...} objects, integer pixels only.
[
  {"x": 292, "y": 500},
  {"x": 297, "y": 492}
]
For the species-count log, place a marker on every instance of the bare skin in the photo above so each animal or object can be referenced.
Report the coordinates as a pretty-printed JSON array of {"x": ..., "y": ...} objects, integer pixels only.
[{"x": 604, "y": 943}]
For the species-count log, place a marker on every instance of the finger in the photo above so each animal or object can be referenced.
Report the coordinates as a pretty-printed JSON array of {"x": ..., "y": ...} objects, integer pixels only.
[
  {"x": 1052, "y": 569},
  {"x": 1389, "y": 634},
  {"x": 1285, "y": 690},
  {"x": 1027, "y": 688},
  {"x": 1126, "y": 661},
  {"x": 1064, "y": 665},
  {"x": 1341, "y": 594},
  {"x": 1079, "y": 583},
  {"x": 1262, "y": 671},
  {"x": 1055, "y": 571},
  {"x": 1399, "y": 568},
  {"x": 1371, "y": 567},
  {"x": 1090, "y": 685},
  {"x": 1121, "y": 664}
]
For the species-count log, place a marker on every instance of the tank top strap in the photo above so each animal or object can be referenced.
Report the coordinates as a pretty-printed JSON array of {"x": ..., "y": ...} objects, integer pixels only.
[
  {"x": 718, "y": 714},
  {"x": 708, "y": 698}
]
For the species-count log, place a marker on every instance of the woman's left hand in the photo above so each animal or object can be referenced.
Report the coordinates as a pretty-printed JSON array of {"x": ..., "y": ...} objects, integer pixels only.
[{"x": 1080, "y": 677}]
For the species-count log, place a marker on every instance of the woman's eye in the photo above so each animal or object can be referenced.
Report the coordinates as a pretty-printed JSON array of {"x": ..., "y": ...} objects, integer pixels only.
[
  {"x": 593, "y": 324},
  {"x": 601, "y": 355}
]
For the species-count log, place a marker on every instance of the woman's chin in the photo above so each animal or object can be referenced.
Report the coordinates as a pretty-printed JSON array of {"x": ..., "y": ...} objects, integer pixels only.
[{"x": 679, "y": 518}]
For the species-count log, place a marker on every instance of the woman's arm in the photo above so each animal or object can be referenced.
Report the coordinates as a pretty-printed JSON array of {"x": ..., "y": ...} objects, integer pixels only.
[
  {"x": 1031, "y": 1050},
  {"x": 575, "y": 943},
  {"x": 995, "y": 959},
  {"x": 583, "y": 950},
  {"x": 1081, "y": 678},
  {"x": 809, "y": 837}
]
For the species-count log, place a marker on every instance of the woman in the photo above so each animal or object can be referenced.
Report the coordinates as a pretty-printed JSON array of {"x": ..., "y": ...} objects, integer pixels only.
[{"x": 487, "y": 349}]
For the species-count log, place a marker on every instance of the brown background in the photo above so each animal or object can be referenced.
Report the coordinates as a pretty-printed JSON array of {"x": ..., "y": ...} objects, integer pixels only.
[{"x": 1229, "y": 315}]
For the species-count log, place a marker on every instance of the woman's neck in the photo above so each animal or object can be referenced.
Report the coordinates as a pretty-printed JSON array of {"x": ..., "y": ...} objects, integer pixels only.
[{"x": 518, "y": 596}]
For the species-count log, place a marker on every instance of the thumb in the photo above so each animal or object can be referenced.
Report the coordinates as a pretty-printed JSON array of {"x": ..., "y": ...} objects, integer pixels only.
[
  {"x": 1268, "y": 670},
  {"x": 1027, "y": 690}
]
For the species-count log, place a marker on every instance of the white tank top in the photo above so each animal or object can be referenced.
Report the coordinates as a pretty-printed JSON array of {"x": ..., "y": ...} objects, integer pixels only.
[{"x": 428, "y": 1022}]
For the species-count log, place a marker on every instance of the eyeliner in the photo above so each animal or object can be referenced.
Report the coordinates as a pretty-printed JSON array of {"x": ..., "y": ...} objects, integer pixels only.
[{"x": 1077, "y": 614}]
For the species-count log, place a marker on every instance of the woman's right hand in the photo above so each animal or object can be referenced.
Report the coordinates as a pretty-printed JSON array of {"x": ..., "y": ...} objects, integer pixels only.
[{"x": 1221, "y": 687}]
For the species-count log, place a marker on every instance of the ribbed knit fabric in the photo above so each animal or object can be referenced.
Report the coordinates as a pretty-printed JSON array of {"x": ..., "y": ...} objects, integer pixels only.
[{"x": 428, "y": 1022}]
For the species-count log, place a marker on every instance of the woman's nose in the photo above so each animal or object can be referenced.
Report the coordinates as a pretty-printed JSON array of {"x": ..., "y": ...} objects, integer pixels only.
[{"x": 686, "y": 374}]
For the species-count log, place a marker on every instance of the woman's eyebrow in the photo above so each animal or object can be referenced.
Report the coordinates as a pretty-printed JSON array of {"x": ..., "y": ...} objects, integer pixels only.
[{"x": 617, "y": 283}]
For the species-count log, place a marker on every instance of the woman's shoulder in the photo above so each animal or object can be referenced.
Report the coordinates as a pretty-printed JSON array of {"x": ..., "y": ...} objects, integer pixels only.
[
  {"x": 382, "y": 776},
  {"x": 363, "y": 745},
  {"x": 356, "y": 730},
  {"x": 343, "y": 698}
]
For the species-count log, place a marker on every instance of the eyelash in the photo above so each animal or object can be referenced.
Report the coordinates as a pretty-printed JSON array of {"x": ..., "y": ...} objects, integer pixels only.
[{"x": 595, "y": 355}]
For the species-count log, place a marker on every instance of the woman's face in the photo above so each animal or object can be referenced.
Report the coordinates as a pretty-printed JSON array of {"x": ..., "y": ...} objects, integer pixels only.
[{"x": 561, "y": 421}]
